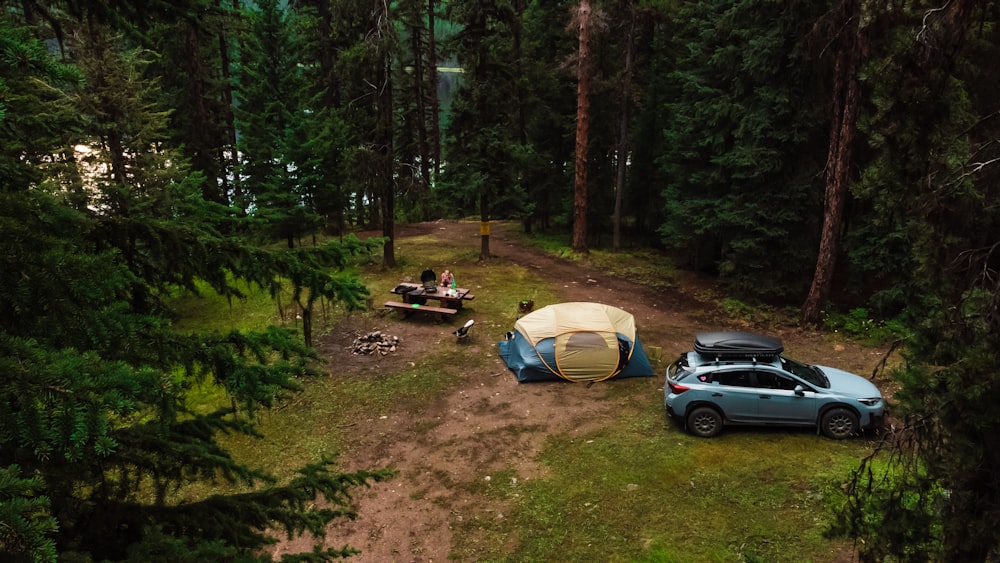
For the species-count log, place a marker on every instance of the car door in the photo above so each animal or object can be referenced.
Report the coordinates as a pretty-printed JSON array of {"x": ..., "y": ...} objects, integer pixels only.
[
  {"x": 778, "y": 402},
  {"x": 735, "y": 393}
]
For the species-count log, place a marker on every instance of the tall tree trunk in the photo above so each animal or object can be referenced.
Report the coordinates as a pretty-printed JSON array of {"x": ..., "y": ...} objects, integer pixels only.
[
  {"x": 230, "y": 164},
  {"x": 432, "y": 90},
  {"x": 386, "y": 179},
  {"x": 200, "y": 136},
  {"x": 850, "y": 55},
  {"x": 420, "y": 99},
  {"x": 482, "y": 56},
  {"x": 306, "y": 310},
  {"x": 582, "y": 125},
  {"x": 522, "y": 106},
  {"x": 386, "y": 156},
  {"x": 484, "y": 226},
  {"x": 335, "y": 218},
  {"x": 624, "y": 116},
  {"x": 327, "y": 55}
]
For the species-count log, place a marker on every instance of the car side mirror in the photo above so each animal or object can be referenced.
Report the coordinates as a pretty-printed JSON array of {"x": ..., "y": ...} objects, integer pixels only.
[{"x": 800, "y": 390}]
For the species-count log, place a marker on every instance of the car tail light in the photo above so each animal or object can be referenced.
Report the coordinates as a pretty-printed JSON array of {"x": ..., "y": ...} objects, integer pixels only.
[{"x": 677, "y": 388}]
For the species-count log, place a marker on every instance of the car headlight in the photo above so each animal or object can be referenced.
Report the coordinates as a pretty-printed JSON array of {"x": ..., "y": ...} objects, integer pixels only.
[{"x": 870, "y": 402}]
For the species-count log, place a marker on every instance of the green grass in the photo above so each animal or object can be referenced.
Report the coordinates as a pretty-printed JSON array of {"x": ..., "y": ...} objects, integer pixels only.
[
  {"x": 640, "y": 266},
  {"x": 207, "y": 312},
  {"x": 639, "y": 489},
  {"x": 556, "y": 244}
]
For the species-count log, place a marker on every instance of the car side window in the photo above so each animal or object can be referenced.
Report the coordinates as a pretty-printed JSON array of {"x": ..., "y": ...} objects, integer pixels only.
[
  {"x": 772, "y": 380},
  {"x": 734, "y": 378}
]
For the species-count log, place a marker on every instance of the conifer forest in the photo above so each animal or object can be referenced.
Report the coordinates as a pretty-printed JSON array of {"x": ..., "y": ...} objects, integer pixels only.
[{"x": 824, "y": 155}]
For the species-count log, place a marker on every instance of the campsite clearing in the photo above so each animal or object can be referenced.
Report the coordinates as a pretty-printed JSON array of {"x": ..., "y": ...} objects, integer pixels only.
[{"x": 490, "y": 468}]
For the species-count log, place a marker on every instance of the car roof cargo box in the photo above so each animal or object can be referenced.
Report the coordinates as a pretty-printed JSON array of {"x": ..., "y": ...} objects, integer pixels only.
[{"x": 736, "y": 345}]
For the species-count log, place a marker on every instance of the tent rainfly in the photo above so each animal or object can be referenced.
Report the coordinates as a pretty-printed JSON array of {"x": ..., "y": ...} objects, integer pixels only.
[{"x": 575, "y": 342}]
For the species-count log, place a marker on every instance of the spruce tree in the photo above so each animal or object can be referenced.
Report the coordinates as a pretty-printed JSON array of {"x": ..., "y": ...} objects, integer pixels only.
[
  {"x": 481, "y": 145},
  {"x": 193, "y": 66},
  {"x": 95, "y": 430},
  {"x": 34, "y": 117},
  {"x": 549, "y": 124},
  {"x": 320, "y": 140},
  {"x": 849, "y": 40},
  {"x": 270, "y": 106},
  {"x": 414, "y": 100},
  {"x": 743, "y": 123},
  {"x": 932, "y": 492},
  {"x": 26, "y": 522}
]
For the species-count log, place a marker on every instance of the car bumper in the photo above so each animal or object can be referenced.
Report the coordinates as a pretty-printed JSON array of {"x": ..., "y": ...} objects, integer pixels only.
[
  {"x": 674, "y": 410},
  {"x": 874, "y": 417}
]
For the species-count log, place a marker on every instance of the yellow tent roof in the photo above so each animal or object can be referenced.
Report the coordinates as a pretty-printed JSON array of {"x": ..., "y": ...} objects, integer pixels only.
[
  {"x": 561, "y": 318},
  {"x": 586, "y": 342}
]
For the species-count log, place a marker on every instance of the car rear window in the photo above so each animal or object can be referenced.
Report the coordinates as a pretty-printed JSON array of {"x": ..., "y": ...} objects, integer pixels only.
[
  {"x": 677, "y": 370},
  {"x": 679, "y": 374}
]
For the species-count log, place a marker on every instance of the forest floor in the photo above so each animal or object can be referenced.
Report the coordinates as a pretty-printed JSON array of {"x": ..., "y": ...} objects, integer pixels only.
[{"x": 490, "y": 422}]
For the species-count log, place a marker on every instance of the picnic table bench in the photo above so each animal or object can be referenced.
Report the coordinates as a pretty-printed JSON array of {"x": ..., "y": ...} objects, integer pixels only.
[{"x": 408, "y": 309}]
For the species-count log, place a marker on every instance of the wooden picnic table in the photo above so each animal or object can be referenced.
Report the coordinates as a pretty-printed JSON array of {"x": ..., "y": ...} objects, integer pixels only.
[
  {"x": 448, "y": 298},
  {"x": 415, "y": 299}
]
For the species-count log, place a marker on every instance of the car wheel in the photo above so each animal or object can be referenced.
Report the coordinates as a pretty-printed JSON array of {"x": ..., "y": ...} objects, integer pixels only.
[
  {"x": 704, "y": 422},
  {"x": 839, "y": 423}
]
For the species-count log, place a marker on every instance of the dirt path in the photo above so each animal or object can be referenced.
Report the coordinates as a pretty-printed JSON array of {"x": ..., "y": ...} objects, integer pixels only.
[{"x": 482, "y": 426}]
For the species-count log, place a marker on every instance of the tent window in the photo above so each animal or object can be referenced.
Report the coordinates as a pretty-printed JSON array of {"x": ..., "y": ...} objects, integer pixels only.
[
  {"x": 586, "y": 341},
  {"x": 623, "y": 353}
]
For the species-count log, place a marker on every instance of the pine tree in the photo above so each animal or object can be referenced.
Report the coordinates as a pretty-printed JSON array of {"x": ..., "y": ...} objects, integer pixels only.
[
  {"x": 549, "y": 99},
  {"x": 330, "y": 137},
  {"x": 271, "y": 105},
  {"x": 851, "y": 45},
  {"x": 95, "y": 431},
  {"x": 583, "y": 77},
  {"x": 26, "y": 523},
  {"x": 624, "y": 122},
  {"x": 742, "y": 126},
  {"x": 195, "y": 76},
  {"x": 933, "y": 490},
  {"x": 383, "y": 49},
  {"x": 34, "y": 116},
  {"x": 415, "y": 138},
  {"x": 481, "y": 146},
  {"x": 653, "y": 87}
]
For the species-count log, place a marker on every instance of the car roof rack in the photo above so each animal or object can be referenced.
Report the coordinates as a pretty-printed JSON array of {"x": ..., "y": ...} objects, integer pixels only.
[{"x": 737, "y": 346}]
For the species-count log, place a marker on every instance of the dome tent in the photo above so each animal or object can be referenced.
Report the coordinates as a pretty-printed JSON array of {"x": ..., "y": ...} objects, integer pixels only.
[{"x": 575, "y": 342}]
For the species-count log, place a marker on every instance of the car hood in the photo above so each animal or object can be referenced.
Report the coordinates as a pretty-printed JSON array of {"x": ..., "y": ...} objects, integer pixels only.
[{"x": 850, "y": 384}]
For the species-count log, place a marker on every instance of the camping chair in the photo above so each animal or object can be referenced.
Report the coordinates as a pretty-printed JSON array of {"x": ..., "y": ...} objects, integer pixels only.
[
  {"x": 463, "y": 332},
  {"x": 429, "y": 281}
]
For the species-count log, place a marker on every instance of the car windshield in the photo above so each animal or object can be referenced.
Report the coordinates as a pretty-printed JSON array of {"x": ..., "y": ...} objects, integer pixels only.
[{"x": 811, "y": 374}]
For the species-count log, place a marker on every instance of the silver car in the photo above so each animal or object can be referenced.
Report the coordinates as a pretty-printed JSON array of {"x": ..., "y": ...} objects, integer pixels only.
[{"x": 743, "y": 378}]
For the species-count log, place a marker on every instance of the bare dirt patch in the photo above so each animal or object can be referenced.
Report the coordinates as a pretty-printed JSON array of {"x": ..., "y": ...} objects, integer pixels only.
[{"x": 491, "y": 423}]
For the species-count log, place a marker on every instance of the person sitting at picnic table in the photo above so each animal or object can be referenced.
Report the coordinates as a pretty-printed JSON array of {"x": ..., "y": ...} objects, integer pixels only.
[{"x": 446, "y": 277}]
